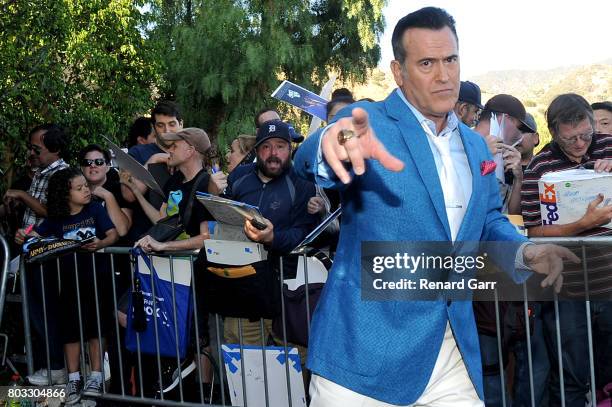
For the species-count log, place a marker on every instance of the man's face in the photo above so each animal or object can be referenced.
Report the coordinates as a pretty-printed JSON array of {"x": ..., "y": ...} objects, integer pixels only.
[
  {"x": 468, "y": 113},
  {"x": 179, "y": 151},
  {"x": 149, "y": 140},
  {"x": 167, "y": 124},
  {"x": 38, "y": 154},
  {"x": 273, "y": 157},
  {"x": 528, "y": 143},
  {"x": 511, "y": 134},
  {"x": 267, "y": 116},
  {"x": 603, "y": 121},
  {"x": 575, "y": 140},
  {"x": 429, "y": 76},
  {"x": 79, "y": 191},
  {"x": 94, "y": 167}
]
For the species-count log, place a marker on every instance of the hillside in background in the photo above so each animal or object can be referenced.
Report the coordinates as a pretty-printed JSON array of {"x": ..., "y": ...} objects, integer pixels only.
[{"x": 535, "y": 89}]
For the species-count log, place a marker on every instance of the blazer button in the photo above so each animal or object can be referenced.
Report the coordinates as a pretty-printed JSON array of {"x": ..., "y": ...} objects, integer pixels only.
[
  {"x": 306, "y": 164},
  {"x": 448, "y": 303}
]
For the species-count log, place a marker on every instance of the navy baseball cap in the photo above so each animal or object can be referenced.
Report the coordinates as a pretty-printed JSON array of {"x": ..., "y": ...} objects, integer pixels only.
[
  {"x": 295, "y": 136},
  {"x": 469, "y": 92},
  {"x": 273, "y": 129}
]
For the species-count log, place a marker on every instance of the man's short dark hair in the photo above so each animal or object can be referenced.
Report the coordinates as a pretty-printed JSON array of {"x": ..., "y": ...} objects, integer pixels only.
[
  {"x": 602, "y": 106},
  {"x": 342, "y": 92},
  {"x": 94, "y": 147},
  {"x": 53, "y": 138},
  {"x": 338, "y": 100},
  {"x": 262, "y": 111},
  {"x": 167, "y": 108},
  {"x": 142, "y": 127},
  {"x": 432, "y": 18},
  {"x": 568, "y": 108}
]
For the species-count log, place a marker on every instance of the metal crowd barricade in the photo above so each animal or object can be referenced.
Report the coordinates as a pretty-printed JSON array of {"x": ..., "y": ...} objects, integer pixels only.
[
  {"x": 215, "y": 357},
  {"x": 116, "y": 347},
  {"x": 571, "y": 241}
]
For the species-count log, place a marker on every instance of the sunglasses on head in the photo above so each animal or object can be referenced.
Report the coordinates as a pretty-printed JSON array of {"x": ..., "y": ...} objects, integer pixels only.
[
  {"x": 33, "y": 147},
  {"x": 89, "y": 163}
]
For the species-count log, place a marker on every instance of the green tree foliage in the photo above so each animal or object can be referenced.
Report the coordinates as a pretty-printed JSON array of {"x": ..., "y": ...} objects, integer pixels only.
[
  {"x": 83, "y": 64},
  {"x": 225, "y": 57}
]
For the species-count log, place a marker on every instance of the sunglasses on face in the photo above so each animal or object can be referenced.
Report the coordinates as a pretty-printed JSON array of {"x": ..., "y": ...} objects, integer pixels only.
[
  {"x": 99, "y": 162},
  {"x": 33, "y": 147}
]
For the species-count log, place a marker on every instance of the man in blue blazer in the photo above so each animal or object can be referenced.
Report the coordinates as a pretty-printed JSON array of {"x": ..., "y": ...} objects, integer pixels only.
[{"x": 431, "y": 189}]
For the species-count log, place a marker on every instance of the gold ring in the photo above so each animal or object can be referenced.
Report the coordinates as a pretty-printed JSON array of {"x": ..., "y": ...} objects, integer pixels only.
[{"x": 345, "y": 135}]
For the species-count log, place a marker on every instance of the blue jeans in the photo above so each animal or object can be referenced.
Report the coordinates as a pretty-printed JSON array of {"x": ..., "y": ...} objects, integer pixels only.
[
  {"x": 602, "y": 338},
  {"x": 491, "y": 377},
  {"x": 540, "y": 365},
  {"x": 37, "y": 321},
  {"x": 574, "y": 352}
]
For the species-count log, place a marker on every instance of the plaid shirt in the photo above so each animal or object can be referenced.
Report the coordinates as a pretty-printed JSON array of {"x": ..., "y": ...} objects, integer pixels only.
[{"x": 38, "y": 190}]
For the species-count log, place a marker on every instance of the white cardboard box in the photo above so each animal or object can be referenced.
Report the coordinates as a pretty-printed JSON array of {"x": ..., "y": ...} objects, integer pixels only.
[
  {"x": 565, "y": 195},
  {"x": 234, "y": 253}
]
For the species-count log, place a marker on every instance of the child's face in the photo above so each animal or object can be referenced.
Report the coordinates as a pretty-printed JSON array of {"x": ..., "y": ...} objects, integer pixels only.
[{"x": 79, "y": 191}]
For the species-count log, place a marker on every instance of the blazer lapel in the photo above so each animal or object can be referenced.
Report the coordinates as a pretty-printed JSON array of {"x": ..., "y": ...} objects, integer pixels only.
[
  {"x": 416, "y": 141},
  {"x": 477, "y": 181}
]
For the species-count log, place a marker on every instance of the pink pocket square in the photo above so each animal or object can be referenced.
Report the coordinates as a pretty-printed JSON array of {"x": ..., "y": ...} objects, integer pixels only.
[{"x": 487, "y": 167}]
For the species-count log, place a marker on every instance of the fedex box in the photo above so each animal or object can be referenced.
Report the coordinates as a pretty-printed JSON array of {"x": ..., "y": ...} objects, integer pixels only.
[{"x": 565, "y": 195}]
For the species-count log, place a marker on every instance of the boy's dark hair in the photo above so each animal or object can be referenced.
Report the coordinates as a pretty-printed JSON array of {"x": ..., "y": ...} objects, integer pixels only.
[
  {"x": 568, "y": 108},
  {"x": 58, "y": 196},
  {"x": 94, "y": 147},
  {"x": 431, "y": 18},
  {"x": 142, "y": 127},
  {"x": 166, "y": 108},
  {"x": 602, "y": 106},
  {"x": 340, "y": 99},
  {"x": 53, "y": 138},
  {"x": 341, "y": 92}
]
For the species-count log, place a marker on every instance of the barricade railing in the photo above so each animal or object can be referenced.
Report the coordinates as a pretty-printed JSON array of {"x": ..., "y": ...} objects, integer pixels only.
[
  {"x": 211, "y": 366},
  {"x": 6, "y": 259}
]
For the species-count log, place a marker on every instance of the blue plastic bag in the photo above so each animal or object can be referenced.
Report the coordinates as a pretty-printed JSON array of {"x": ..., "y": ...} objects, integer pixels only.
[{"x": 154, "y": 272}]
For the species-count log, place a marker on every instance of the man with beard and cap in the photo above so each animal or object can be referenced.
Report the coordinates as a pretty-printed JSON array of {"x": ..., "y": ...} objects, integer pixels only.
[{"x": 272, "y": 185}]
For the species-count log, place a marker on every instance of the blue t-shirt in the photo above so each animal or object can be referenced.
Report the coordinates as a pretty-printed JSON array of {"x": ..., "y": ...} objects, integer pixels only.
[
  {"x": 93, "y": 220},
  {"x": 142, "y": 152}
]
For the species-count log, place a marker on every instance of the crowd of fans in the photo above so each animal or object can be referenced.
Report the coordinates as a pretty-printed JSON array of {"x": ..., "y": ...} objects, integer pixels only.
[{"x": 106, "y": 206}]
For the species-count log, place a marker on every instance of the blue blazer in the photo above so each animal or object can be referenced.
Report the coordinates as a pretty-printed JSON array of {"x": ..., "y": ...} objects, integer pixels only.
[{"x": 387, "y": 350}]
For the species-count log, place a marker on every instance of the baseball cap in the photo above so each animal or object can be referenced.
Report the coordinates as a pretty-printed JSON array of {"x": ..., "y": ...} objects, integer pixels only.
[
  {"x": 510, "y": 105},
  {"x": 295, "y": 136},
  {"x": 192, "y": 135},
  {"x": 273, "y": 129},
  {"x": 530, "y": 122},
  {"x": 469, "y": 92}
]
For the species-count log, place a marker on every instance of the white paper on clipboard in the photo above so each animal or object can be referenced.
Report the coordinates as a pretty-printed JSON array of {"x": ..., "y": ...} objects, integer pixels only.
[
  {"x": 228, "y": 211},
  {"x": 496, "y": 129},
  {"x": 128, "y": 163},
  {"x": 326, "y": 91}
]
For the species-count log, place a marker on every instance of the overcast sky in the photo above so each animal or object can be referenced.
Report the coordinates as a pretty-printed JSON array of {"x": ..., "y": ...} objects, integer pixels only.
[{"x": 519, "y": 34}]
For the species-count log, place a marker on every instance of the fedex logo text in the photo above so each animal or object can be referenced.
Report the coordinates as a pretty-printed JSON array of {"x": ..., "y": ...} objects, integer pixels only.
[{"x": 548, "y": 199}]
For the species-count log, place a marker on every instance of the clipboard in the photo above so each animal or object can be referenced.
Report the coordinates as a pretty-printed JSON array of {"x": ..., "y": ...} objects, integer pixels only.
[
  {"x": 229, "y": 212},
  {"x": 302, "y": 247},
  {"x": 128, "y": 163}
]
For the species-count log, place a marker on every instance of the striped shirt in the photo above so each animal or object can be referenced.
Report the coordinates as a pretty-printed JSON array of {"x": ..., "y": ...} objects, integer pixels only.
[{"x": 552, "y": 159}]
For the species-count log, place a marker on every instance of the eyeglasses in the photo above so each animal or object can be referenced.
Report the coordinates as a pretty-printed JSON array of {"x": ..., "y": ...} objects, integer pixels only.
[
  {"x": 33, "y": 147},
  {"x": 573, "y": 140},
  {"x": 99, "y": 162}
]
